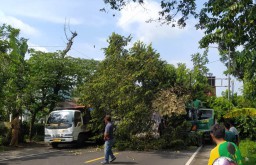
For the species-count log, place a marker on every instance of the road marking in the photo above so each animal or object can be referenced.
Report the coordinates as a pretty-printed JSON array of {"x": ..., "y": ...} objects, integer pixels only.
[
  {"x": 93, "y": 160},
  {"x": 26, "y": 156},
  {"x": 193, "y": 156}
]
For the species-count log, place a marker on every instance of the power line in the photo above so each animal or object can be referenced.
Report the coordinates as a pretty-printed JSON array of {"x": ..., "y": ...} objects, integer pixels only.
[
  {"x": 213, "y": 61},
  {"x": 44, "y": 46},
  {"x": 59, "y": 47},
  {"x": 81, "y": 53}
]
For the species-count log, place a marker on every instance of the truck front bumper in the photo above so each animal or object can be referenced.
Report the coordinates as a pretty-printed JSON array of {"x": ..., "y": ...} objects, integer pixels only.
[{"x": 58, "y": 140}]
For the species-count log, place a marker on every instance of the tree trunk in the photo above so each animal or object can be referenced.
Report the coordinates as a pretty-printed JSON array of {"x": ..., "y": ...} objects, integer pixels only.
[
  {"x": 56, "y": 90},
  {"x": 32, "y": 121}
]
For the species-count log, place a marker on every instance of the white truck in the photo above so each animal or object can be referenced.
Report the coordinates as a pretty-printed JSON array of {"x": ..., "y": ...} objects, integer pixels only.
[{"x": 67, "y": 126}]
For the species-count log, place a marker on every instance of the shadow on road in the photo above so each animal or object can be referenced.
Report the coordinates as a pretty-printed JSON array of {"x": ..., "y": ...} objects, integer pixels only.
[
  {"x": 87, "y": 145},
  {"x": 124, "y": 163}
]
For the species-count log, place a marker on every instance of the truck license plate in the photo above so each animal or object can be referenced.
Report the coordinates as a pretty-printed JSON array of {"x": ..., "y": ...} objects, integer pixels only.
[{"x": 56, "y": 140}]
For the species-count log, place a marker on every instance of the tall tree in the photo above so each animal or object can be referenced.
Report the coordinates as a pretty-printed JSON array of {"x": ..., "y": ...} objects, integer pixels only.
[
  {"x": 229, "y": 22},
  {"x": 13, "y": 68},
  {"x": 125, "y": 84},
  {"x": 52, "y": 78},
  {"x": 199, "y": 73}
]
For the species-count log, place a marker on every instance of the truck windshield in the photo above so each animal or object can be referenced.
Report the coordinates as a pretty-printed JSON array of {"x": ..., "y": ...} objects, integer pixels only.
[
  {"x": 60, "y": 120},
  {"x": 204, "y": 114}
]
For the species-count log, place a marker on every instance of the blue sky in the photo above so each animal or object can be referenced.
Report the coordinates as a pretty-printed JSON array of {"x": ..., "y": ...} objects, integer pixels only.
[{"x": 42, "y": 22}]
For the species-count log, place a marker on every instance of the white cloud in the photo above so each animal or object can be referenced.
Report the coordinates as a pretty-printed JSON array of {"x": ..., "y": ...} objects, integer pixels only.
[
  {"x": 53, "y": 18},
  {"x": 133, "y": 20},
  {"x": 16, "y": 23},
  {"x": 47, "y": 10},
  {"x": 37, "y": 47}
]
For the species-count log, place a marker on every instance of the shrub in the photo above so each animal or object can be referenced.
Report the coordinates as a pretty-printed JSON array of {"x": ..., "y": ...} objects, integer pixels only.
[
  {"x": 248, "y": 151},
  {"x": 39, "y": 129},
  {"x": 177, "y": 144},
  {"x": 122, "y": 145},
  {"x": 246, "y": 125},
  {"x": 5, "y": 129}
]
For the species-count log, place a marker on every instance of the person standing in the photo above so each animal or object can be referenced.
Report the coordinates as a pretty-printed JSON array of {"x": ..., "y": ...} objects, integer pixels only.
[
  {"x": 197, "y": 104},
  {"x": 109, "y": 140},
  {"x": 161, "y": 128},
  {"x": 15, "y": 123},
  {"x": 234, "y": 130},
  {"x": 229, "y": 136},
  {"x": 223, "y": 148}
]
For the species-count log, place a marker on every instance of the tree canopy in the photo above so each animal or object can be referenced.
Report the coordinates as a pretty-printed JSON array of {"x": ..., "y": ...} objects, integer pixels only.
[
  {"x": 36, "y": 84},
  {"x": 229, "y": 24}
]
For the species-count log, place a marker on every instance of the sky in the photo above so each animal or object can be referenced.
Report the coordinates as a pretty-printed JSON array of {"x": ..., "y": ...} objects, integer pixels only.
[{"x": 42, "y": 22}]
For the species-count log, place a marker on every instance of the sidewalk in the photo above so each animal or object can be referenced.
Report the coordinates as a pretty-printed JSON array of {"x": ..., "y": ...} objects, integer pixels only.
[{"x": 203, "y": 156}]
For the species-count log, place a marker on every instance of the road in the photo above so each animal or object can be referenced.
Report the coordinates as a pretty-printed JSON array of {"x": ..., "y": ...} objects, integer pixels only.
[
  {"x": 203, "y": 156},
  {"x": 90, "y": 156}
]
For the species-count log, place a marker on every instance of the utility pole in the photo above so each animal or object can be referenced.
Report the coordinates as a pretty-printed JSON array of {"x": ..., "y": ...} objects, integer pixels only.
[
  {"x": 233, "y": 88},
  {"x": 229, "y": 73}
]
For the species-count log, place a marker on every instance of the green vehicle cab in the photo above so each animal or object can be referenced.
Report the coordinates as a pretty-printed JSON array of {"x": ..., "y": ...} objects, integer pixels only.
[{"x": 202, "y": 119}]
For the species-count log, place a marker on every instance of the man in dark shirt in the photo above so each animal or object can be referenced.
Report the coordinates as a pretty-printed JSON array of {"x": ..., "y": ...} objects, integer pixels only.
[{"x": 108, "y": 137}]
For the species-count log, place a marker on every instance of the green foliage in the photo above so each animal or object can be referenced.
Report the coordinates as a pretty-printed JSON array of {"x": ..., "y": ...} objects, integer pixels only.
[
  {"x": 241, "y": 112},
  {"x": 221, "y": 106},
  {"x": 247, "y": 127},
  {"x": 245, "y": 119},
  {"x": 199, "y": 83},
  {"x": 176, "y": 134},
  {"x": 183, "y": 76},
  {"x": 5, "y": 130},
  {"x": 12, "y": 69},
  {"x": 141, "y": 144},
  {"x": 248, "y": 151},
  {"x": 230, "y": 22},
  {"x": 124, "y": 85},
  {"x": 38, "y": 83},
  {"x": 194, "y": 138}
]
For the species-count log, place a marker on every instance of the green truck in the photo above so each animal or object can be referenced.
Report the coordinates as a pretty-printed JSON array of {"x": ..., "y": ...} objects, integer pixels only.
[{"x": 202, "y": 120}]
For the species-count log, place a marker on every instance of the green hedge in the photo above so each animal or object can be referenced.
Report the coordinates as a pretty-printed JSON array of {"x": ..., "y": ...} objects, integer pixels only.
[
  {"x": 38, "y": 129},
  {"x": 248, "y": 151},
  {"x": 5, "y": 129}
]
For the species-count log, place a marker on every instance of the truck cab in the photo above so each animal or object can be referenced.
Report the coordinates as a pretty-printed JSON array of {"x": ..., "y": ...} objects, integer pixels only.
[
  {"x": 202, "y": 120},
  {"x": 66, "y": 126}
]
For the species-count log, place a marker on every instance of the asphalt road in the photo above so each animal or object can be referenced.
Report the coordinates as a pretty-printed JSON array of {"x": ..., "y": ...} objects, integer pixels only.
[
  {"x": 90, "y": 156},
  {"x": 203, "y": 156}
]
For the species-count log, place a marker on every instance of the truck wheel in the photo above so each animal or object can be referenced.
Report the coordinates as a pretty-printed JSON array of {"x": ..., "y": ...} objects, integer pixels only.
[
  {"x": 81, "y": 140},
  {"x": 54, "y": 145}
]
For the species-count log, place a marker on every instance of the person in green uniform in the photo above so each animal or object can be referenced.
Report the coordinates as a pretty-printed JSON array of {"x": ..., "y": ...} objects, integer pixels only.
[
  {"x": 229, "y": 136},
  {"x": 223, "y": 148},
  {"x": 197, "y": 104}
]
